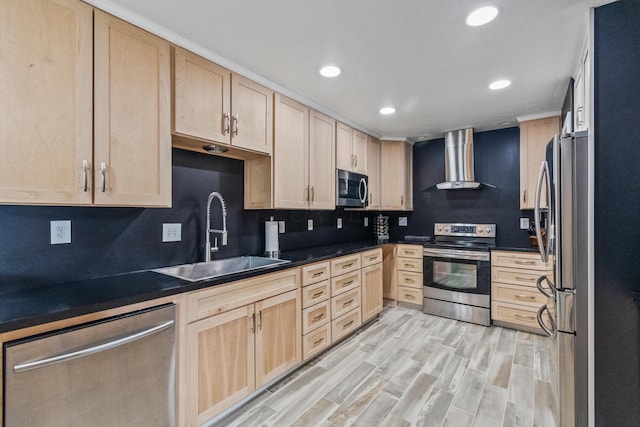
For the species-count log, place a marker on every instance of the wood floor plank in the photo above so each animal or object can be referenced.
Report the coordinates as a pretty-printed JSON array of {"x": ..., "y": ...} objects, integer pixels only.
[
  {"x": 458, "y": 418},
  {"x": 438, "y": 361},
  {"x": 470, "y": 390},
  {"x": 541, "y": 364},
  {"x": 455, "y": 335},
  {"x": 491, "y": 408},
  {"x": 452, "y": 374},
  {"x": 377, "y": 411},
  {"x": 424, "y": 352},
  {"x": 392, "y": 364},
  {"x": 524, "y": 354},
  {"x": 284, "y": 396},
  {"x": 517, "y": 416},
  {"x": 248, "y": 411},
  {"x": 482, "y": 357},
  {"x": 353, "y": 406},
  {"x": 521, "y": 386},
  {"x": 345, "y": 387},
  {"x": 544, "y": 409},
  {"x": 403, "y": 378},
  {"x": 435, "y": 409},
  {"x": 412, "y": 401},
  {"x": 507, "y": 341},
  {"x": 499, "y": 371},
  {"x": 491, "y": 336},
  {"x": 300, "y": 404},
  {"x": 319, "y": 411},
  {"x": 469, "y": 342}
]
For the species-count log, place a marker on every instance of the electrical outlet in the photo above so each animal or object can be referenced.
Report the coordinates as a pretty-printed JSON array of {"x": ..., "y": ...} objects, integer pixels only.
[
  {"x": 281, "y": 227},
  {"x": 60, "y": 232},
  {"x": 402, "y": 221},
  {"x": 339, "y": 223},
  {"x": 366, "y": 221},
  {"x": 171, "y": 232},
  {"x": 524, "y": 223},
  {"x": 310, "y": 225}
]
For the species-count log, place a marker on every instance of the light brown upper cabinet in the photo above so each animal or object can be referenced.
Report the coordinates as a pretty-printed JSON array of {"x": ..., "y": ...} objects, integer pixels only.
[
  {"x": 302, "y": 163},
  {"x": 351, "y": 149},
  {"x": 396, "y": 176},
  {"x": 534, "y": 136},
  {"x": 49, "y": 154},
  {"x": 132, "y": 137},
  {"x": 373, "y": 172},
  {"x": 212, "y": 104}
]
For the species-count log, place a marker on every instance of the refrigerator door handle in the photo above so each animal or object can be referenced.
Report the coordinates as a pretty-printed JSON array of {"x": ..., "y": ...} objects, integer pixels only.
[
  {"x": 549, "y": 331},
  {"x": 551, "y": 293},
  {"x": 544, "y": 171}
]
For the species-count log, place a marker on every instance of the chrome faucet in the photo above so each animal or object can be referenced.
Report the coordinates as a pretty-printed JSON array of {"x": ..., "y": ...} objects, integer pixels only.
[{"x": 223, "y": 232}]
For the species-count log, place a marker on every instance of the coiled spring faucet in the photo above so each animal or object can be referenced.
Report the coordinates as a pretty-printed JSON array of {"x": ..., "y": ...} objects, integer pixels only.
[{"x": 223, "y": 232}]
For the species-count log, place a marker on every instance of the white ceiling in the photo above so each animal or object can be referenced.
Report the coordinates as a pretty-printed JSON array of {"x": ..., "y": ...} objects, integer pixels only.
[{"x": 417, "y": 55}]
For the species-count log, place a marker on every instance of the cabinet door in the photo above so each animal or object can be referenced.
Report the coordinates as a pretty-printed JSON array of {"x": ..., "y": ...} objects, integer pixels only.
[
  {"x": 291, "y": 145},
  {"x": 252, "y": 122},
  {"x": 371, "y": 294},
  {"x": 344, "y": 147},
  {"x": 132, "y": 137},
  {"x": 534, "y": 136},
  {"x": 373, "y": 172},
  {"x": 46, "y": 100},
  {"x": 393, "y": 175},
  {"x": 359, "y": 152},
  {"x": 322, "y": 154},
  {"x": 220, "y": 363},
  {"x": 278, "y": 336},
  {"x": 201, "y": 97}
]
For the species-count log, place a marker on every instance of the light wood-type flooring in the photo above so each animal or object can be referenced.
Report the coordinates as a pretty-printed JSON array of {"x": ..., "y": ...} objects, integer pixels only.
[{"x": 410, "y": 368}]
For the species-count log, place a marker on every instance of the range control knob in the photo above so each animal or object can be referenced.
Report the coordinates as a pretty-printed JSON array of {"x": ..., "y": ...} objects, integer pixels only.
[
  {"x": 439, "y": 228},
  {"x": 447, "y": 229},
  {"x": 480, "y": 230},
  {"x": 488, "y": 230}
]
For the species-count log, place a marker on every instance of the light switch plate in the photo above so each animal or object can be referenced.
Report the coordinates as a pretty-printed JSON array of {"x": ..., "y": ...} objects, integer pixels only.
[
  {"x": 366, "y": 221},
  {"x": 339, "y": 223},
  {"x": 402, "y": 221},
  {"x": 281, "y": 227},
  {"x": 524, "y": 223},
  {"x": 60, "y": 232},
  {"x": 310, "y": 225},
  {"x": 171, "y": 232}
]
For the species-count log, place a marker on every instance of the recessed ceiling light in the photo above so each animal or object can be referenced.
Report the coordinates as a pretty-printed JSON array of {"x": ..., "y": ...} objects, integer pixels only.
[
  {"x": 482, "y": 16},
  {"x": 387, "y": 110},
  {"x": 330, "y": 71},
  {"x": 499, "y": 84}
]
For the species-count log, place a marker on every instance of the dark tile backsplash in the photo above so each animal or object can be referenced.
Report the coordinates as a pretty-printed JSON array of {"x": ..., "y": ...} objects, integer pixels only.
[{"x": 107, "y": 241}]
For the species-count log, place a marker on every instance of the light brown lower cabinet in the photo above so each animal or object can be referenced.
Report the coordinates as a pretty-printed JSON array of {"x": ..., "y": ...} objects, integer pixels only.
[
  {"x": 236, "y": 352},
  {"x": 371, "y": 302}
]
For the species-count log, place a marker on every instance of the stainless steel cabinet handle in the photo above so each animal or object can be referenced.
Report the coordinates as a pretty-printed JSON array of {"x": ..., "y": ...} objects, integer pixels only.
[
  {"x": 526, "y": 297},
  {"x": 227, "y": 123},
  {"x": 319, "y": 273},
  {"x": 346, "y": 325},
  {"x": 317, "y": 294},
  {"x": 520, "y": 316},
  {"x": 549, "y": 331},
  {"x": 356, "y": 160},
  {"x": 253, "y": 323},
  {"x": 402, "y": 200},
  {"x": 85, "y": 175},
  {"x": 260, "y": 320},
  {"x": 526, "y": 279},
  {"x": 91, "y": 350},
  {"x": 344, "y": 304},
  {"x": 236, "y": 124},
  {"x": 313, "y": 193},
  {"x": 370, "y": 198},
  {"x": 524, "y": 195},
  {"x": 525, "y": 262},
  {"x": 318, "y": 317},
  {"x": 315, "y": 343},
  {"x": 103, "y": 176},
  {"x": 307, "y": 191}
]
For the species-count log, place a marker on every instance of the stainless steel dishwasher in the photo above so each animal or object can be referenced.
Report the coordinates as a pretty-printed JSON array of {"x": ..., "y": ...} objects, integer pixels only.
[{"x": 115, "y": 372}]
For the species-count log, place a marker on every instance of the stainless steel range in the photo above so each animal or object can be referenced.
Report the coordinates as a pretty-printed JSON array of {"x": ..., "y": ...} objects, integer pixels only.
[{"x": 457, "y": 271}]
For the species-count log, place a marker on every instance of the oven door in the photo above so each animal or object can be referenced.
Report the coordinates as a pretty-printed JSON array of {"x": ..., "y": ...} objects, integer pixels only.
[{"x": 457, "y": 271}]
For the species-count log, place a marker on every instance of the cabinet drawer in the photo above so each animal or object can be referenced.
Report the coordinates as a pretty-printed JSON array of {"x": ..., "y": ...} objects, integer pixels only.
[
  {"x": 218, "y": 299},
  {"x": 315, "y": 293},
  {"x": 516, "y": 314},
  {"x": 410, "y": 264},
  {"x": 515, "y": 276},
  {"x": 344, "y": 283},
  {"x": 410, "y": 251},
  {"x": 526, "y": 260},
  {"x": 315, "y": 273},
  {"x": 345, "y": 302},
  {"x": 517, "y": 295},
  {"x": 316, "y": 341},
  {"x": 345, "y": 324},
  {"x": 315, "y": 316},
  {"x": 371, "y": 257},
  {"x": 410, "y": 295},
  {"x": 410, "y": 279},
  {"x": 345, "y": 264}
]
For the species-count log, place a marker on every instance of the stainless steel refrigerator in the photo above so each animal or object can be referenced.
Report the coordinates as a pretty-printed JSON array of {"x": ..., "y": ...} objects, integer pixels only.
[{"x": 563, "y": 182}]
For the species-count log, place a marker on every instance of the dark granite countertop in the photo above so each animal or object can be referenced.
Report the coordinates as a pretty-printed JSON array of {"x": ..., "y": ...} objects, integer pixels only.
[{"x": 25, "y": 307}]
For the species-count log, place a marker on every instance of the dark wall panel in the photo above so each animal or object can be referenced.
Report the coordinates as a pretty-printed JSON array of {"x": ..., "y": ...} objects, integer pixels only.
[
  {"x": 108, "y": 241},
  {"x": 617, "y": 206},
  {"x": 497, "y": 162}
]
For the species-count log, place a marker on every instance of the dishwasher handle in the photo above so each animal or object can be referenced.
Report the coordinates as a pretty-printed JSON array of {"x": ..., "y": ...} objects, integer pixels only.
[{"x": 93, "y": 349}]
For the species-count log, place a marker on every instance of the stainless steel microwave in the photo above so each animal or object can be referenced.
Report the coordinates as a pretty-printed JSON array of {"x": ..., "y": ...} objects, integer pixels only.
[{"x": 351, "y": 189}]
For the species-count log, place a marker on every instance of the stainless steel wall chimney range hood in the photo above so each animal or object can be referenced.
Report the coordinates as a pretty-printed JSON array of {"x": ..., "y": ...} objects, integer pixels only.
[{"x": 458, "y": 161}]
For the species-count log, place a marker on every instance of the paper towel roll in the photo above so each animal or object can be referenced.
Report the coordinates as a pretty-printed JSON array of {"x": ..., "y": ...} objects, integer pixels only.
[{"x": 271, "y": 236}]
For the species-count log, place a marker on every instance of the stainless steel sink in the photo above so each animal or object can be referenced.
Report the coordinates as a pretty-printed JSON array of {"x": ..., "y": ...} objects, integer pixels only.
[{"x": 219, "y": 267}]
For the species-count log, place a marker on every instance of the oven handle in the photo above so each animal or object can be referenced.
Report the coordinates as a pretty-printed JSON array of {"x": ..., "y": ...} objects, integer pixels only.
[{"x": 455, "y": 253}]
